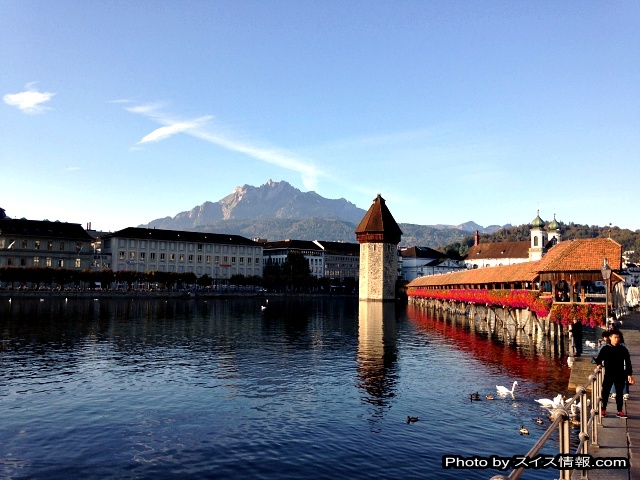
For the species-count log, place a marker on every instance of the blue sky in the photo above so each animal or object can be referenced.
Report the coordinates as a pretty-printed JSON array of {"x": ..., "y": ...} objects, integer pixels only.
[{"x": 118, "y": 113}]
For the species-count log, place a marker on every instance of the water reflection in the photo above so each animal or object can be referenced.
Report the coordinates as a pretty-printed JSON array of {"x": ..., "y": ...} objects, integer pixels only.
[
  {"x": 202, "y": 389},
  {"x": 520, "y": 356},
  {"x": 377, "y": 354}
]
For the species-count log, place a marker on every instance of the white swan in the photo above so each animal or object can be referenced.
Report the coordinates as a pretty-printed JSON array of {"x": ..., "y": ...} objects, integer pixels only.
[
  {"x": 504, "y": 390},
  {"x": 547, "y": 403},
  {"x": 589, "y": 343}
]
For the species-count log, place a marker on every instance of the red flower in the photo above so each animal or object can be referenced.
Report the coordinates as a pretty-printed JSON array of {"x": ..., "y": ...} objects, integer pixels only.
[{"x": 564, "y": 313}]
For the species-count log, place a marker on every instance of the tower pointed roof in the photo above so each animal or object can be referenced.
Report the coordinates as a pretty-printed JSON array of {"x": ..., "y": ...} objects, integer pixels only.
[
  {"x": 378, "y": 225},
  {"x": 553, "y": 226}
]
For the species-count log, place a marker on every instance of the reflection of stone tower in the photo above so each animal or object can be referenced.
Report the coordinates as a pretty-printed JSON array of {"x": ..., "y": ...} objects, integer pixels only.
[
  {"x": 378, "y": 235},
  {"x": 377, "y": 352},
  {"x": 538, "y": 238}
]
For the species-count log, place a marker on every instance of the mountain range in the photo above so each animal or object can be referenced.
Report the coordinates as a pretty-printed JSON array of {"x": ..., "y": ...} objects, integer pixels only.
[{"x": 277, "y": 211}]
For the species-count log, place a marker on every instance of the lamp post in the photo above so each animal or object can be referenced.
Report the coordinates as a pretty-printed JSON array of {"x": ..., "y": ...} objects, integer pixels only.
[{"x": 606, "y": 275}]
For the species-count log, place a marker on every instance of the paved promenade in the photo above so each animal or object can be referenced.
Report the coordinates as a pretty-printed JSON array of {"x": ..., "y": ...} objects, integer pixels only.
[{"x": 619, "y": 437}]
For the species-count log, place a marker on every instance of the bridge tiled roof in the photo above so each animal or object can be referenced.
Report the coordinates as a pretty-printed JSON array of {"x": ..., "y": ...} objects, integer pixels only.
[
  {"x": 583, "y": 254},
  {"x": 580, "y": 255},
  {"x": 518, "y": 272}
]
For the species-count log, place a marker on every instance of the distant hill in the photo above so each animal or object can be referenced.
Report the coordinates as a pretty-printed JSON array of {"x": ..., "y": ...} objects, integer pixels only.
[{"x": 277, "y": 211}]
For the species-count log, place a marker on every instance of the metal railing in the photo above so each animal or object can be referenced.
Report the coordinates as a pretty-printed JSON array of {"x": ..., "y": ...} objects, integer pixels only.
[{"x": 561, "y": 418}]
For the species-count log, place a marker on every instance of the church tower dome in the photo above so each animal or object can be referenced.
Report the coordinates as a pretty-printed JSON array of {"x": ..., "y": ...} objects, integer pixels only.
[
  {"x": 537, "y": 222},
  {"x": 538, "y": 238},
  {"x": 554, "y": 231}
]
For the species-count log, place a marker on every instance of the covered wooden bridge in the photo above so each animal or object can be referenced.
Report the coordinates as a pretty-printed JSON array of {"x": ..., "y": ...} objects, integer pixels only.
[{"x": 566, "y": 284}]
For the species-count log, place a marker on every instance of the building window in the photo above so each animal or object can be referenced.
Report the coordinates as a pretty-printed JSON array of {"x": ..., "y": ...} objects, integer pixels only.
[
  {"x": 77, "y": 263},
  {"x": 9, "y": 261},
  {"x": 142, "y": 255},
  {"x": 249, "y": 260},
  {"x": 132, "y": 243},
  {"x": 152, "y": 256},
  {"x": 49, "y": 245},
  {"x": 23, "y": 262},
  {"x": 199, "y": 247},
  {"x": 61, "y": 245},
  {"x": 225, "y": 249},
  {"x": 249, "y": 249},
  {"x": 143, "y": 244},
  {"x": 172, "y": 246},
  {"x": 181, "y": 246},
  {"x": 163, "y": 245},
  {"x": 217, "y": 258},
  {"x": 24, "y": 244},
  {"x": 182, "y": 257},
  {"x": 120, "y": 255},
  {"x": 162, "y": 256},
  {"x": 132, "y": 255},
  {"x": 60, "y": 263},
  {"x": 217, "y": 249},
  {"x": 225, "y": 259},
  {"x": 208, "y": 247},
  {"x": 199, "y": 258},
  {"x": 152, "y": 244},
  {"x": 190, "y": 258},
  {"x": 241, "y": 250},
  {"x": 48, "y": 262},
  {"x": 172, "y": 257},
  {"x": 233, "y": 259},
  {"x": 122, "y": 243},
  {"x": 36, "y": 261},
  {"x": 190, "y": 247},
  {"x": 208, "y": 258}
]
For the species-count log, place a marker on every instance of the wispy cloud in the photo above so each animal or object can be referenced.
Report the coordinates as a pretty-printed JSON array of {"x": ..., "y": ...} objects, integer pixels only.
[
  {"x": 170, "y": 130},
  {"x": 199, "y": 128},
  {"x": 31, "y": 101}
]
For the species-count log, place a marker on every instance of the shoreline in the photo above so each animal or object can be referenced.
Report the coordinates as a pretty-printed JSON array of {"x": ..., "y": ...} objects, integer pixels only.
[{"x": 186, "y": 295}]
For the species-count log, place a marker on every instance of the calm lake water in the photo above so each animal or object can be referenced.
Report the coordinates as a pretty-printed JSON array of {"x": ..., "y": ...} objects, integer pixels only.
[{"x": 307, "y": 388}]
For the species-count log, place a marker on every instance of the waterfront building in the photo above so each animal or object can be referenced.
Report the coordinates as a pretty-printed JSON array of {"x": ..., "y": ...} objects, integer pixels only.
[
  {"x": 378, "y": 235},
  {"x": 220, "y": 256},
  {"x": 341, "y": 259},
  {"x": 275, "y": 253},
  {"x": 333, "y": 260},
  {"x": 421, "y": 261},
  {"x": 41, "y": 243}
]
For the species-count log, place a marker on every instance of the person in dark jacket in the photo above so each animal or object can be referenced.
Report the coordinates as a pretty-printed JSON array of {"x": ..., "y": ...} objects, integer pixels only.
[
  {"x": 617, "y": 370},
  {"x": 576, "y": 330}
]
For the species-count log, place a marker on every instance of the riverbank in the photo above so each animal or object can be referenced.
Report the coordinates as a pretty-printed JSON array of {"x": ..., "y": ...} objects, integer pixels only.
[{"x": 108, "y": 294}]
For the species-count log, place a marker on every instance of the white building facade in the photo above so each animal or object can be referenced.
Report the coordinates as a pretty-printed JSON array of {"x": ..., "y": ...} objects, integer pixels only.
[{"x": 219, "y": 256}]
